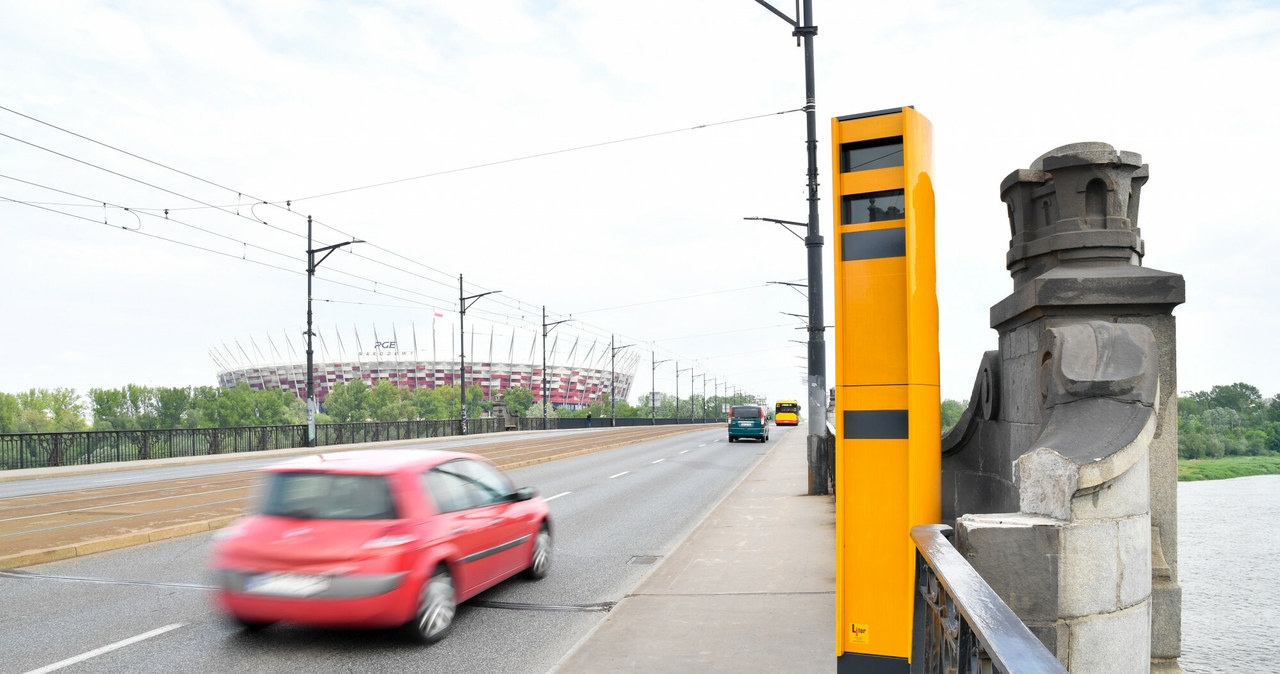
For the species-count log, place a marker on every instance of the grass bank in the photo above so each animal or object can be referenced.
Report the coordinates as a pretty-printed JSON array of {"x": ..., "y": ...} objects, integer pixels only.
[{"x": 1228, "y": 466}]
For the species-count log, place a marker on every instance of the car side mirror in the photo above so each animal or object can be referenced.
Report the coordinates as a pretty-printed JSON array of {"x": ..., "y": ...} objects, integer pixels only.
[{"x": 524, "y": 494}]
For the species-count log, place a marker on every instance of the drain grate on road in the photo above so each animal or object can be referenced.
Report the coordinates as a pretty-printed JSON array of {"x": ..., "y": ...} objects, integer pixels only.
[{"x": 644, "y": 559}]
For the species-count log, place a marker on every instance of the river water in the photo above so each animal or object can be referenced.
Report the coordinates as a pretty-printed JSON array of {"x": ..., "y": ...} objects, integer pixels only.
[{"x": 1229, "y": 569}]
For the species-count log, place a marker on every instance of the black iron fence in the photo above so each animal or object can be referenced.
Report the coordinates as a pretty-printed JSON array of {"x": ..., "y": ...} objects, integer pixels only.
[
  {"x": 42, "y": 450},
  {"x": 966, "y": 627}
]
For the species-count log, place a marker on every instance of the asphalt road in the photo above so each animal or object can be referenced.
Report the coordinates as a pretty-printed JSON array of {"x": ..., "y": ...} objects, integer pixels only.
[{"x": 616, "y": 513}]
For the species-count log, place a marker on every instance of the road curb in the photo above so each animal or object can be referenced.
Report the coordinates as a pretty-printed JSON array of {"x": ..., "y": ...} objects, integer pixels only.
[{"x": 32, "y": 557}]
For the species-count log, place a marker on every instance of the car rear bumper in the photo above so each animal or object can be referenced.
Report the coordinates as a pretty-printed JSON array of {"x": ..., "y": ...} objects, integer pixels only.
[
  {"x": 375, "y": 600},
  {"x": 746, "y": 432}
]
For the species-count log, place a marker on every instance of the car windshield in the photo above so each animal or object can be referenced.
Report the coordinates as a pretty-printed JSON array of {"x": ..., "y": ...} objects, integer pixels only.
[
  {"x": 329, "y": 496},
  {"x": 747, "y": 412}
]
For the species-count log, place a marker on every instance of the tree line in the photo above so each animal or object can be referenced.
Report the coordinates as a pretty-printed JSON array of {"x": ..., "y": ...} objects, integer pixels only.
[
  {"x": 135, "y": 407},
  {"x": 1230, "y": 420}
]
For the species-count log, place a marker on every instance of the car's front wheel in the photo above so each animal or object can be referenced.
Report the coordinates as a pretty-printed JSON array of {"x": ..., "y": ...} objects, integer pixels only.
[
  {"x": 540, "y": 561},
  {"x": 437, "y": 605}
]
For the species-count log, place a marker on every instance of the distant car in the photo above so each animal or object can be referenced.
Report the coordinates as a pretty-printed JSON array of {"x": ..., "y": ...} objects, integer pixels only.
[
  {"x": 747, "y": 421},
  {"x": 378, "y": 538}
]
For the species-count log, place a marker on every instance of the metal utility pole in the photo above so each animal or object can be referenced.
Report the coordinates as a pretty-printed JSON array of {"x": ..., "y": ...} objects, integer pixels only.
[
  {"x": 678, "y": 371},
  {"x": 690, "y": 395},
  {"x": 804, "y": 31},
  {"x": 546, "y": 328},
  {"x": 704, "y": 397},
  {"x": 312, "y": 263},
  {"x": 653, "y": 385},
  {"x": 613, "y": 394},
  {"x": 714, "y": 394},
  {"x": 463, "y": 305}
]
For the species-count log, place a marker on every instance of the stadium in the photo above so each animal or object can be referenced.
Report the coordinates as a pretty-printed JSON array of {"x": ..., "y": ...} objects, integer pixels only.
[{"x": 576, "y": 377}]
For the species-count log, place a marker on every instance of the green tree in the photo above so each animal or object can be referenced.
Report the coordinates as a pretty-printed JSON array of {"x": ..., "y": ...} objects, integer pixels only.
[
  {"x": 386, "y": 402},
  {"x": 427, "y": 403},
  {"x": 951, "y": 413},
  {"x": 110, "y": 412},
  {"x": 47, "y": 410},
  {"x": 10, "y": 413},
  {"x": 170, "y": 406},
  {"x": 348, "y": 401},
  {"x": 519, "y": 399}
]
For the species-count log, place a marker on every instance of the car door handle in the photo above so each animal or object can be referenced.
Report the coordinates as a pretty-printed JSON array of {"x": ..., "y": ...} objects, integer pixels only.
[
  {"x": 459, "y": 530},
  {"x": 497, "y": 521}
]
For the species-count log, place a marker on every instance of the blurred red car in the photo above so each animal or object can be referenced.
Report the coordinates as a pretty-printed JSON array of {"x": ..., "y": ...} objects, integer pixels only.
[{"x": 378, "y": 538}]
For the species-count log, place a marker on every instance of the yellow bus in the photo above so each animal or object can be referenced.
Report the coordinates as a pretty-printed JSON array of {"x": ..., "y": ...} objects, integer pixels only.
[{"x": 786, "y": 413}]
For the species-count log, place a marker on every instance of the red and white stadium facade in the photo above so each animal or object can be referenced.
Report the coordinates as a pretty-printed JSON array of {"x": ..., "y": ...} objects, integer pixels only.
[{"x": 576, "y": 377}]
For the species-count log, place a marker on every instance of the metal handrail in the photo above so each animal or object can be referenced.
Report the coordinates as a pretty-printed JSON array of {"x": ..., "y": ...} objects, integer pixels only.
[{"x": 968, "y": 627}]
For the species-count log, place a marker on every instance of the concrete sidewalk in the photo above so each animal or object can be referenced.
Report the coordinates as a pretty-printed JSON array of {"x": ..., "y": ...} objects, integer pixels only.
[{"x": 751, "y": 589}]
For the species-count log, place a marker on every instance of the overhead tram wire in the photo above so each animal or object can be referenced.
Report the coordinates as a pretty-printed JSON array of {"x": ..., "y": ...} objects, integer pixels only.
[
  {"x": 156, "y": 211},
  {"x": 214, "y": 251},
  {"x": 289, "y": 202},
  {"x": 519, "y": 305},
  {"x": 95, "y": 203},
  {"x": 542, "y": 154},
  {"x": 143, "y": 182}
]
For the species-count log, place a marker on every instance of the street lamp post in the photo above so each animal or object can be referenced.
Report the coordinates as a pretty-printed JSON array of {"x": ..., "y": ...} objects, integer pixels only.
[
  {"x": 463, "y": 305},
  {"x": 804, "y": 30},
  {"x": 546, "y": 328},
  {"x": 653, "y": 387},
  {"x": 678, "y": 371},
  {"x": 613, "y": 394},
  {"x": 312, "y": 263},
  {"x": 713, "y": 395}
]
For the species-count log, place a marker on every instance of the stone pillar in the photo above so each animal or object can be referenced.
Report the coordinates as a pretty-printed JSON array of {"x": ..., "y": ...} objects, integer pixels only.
[{"x": 1073, "y": 422}]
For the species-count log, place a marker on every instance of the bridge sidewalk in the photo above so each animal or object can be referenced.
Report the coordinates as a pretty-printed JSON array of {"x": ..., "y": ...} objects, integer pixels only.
[{"x": 751, "y": 589}]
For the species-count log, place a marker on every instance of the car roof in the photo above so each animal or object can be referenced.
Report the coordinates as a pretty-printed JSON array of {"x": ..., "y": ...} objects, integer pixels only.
[{"x": 369, "y": 461}]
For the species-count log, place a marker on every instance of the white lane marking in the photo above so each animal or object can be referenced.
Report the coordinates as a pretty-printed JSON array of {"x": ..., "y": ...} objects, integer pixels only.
[
  {"x": 685, "y": 452},
  {"x": 552, "y": 498},
  {"x": 703, "y": 444},
  {"x": 619, "y": 474},
  {"x": 658, "y": 461},
  {"x": 106, "y": 649}
]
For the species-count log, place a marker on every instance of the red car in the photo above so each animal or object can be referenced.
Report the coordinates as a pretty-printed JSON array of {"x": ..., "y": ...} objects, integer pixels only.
[{"x": 379, "y": 538}]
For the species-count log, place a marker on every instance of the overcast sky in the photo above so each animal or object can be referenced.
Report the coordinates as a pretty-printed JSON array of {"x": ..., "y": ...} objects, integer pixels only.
[{"x": 472, "y": 112}]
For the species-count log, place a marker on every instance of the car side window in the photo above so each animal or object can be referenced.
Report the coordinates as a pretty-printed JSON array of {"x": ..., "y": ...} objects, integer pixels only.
[
  {"x": 451, "y": 492},
  {"x": 465, "y": 483}
]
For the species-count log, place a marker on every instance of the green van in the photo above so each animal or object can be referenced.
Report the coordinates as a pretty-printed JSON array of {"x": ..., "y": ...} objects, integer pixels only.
[{"x": 748, "y": 421}]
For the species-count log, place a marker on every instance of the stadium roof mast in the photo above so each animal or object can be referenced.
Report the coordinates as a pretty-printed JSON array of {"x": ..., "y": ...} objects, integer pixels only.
[
  {"x": 312, "y": 263},
  {"x": 546, "y": 328},
  {"x": 463, "y": 305}
]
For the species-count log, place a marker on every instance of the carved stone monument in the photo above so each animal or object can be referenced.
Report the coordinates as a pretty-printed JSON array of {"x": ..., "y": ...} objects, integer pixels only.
[{"x": 1061, "y": 477}]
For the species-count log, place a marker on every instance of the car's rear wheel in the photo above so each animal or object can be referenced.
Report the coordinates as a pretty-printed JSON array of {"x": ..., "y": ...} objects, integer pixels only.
[
  {"x": 540, "y": 561},
  {"x": 436, "y": 608},
  {"x": 731, "y": 438}
]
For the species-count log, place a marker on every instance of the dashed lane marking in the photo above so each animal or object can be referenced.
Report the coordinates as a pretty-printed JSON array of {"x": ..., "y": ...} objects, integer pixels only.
[
  {"x": 552, "y": 498},
  {"x": 106, "y": 649},
  {"x": 619, "y": 474}
]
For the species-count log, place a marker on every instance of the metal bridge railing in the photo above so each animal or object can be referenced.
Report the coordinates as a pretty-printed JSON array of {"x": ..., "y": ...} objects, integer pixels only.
[
  {"x": 74, "y": 448},
  {"x": 43, "y": 450},
  {"x": 966, "y": 626}
]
